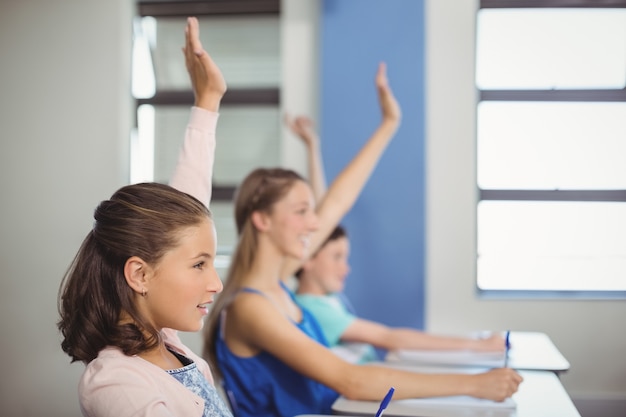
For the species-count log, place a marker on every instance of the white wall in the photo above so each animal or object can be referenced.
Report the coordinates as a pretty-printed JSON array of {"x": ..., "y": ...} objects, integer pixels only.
[
  {"x": 589, "y": 333},
  {"x": 64, "y": 122}
]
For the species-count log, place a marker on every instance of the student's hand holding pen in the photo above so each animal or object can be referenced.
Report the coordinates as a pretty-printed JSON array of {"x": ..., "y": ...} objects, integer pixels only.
[
  {"x": 207, "y": 80},
  {"x": 492, "y": 343},
  {"x": 496, "y": 384}
]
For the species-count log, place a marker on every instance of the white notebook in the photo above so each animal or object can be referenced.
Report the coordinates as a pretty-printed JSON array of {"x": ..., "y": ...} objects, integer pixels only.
[{"x": 455, "y": 401}]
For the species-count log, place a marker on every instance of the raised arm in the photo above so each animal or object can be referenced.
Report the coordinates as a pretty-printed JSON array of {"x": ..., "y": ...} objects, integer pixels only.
[
  {"x": 302, "y": 127},
  {"x": 347, "y": 186},
  {"x": 194, "y": 170}
]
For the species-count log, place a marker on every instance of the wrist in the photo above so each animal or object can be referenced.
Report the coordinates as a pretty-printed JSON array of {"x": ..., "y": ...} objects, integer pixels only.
[{"x": 210, "y": 102}]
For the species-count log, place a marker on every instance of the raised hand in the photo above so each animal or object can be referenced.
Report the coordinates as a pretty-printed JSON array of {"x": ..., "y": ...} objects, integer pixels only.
[
  {"x": 388, "y": 104},
  {"x": 303, "y": 127},
  {"x": 207, "y": 80}
]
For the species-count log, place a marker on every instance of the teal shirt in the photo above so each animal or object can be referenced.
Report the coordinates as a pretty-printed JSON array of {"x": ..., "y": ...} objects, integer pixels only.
[{"x": 334, "y": 318}]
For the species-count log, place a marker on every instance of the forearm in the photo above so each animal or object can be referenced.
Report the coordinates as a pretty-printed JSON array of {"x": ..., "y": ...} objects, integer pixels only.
[
  {"x": 371, "y": 383},
  {"x": 317, "y": 178},
  {"x": 345, "y": 189},
  {"x": 401, "y": 338},
  {"x": 194, "y": 170}
]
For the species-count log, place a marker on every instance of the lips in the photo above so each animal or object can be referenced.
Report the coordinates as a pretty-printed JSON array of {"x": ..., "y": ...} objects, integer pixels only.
[{"x": 204, "y": 307}]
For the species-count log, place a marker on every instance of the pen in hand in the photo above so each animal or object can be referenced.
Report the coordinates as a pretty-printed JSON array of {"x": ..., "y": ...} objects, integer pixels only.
[
  {"x": 507, "y": 346},
  {"x": 385, "y": 402}
]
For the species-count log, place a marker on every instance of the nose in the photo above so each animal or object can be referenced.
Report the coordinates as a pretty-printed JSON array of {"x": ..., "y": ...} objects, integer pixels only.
[
  {"x": 214, "y": 283},
  {"x": 345, "y": 268}
]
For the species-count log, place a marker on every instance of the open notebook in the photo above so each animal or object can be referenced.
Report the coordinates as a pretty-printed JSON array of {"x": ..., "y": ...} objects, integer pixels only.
[
  {"x": 455, "y": 401},
  {"x": 461, "y": 401},
  {"x": 436, "y": 406},
  {"x": 461, "y": 357}
]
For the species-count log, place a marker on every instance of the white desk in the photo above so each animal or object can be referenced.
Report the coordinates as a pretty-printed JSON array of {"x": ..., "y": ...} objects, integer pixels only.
[
  {"x": 529, "y": 351},
  {"x": 541, "y": 394}
]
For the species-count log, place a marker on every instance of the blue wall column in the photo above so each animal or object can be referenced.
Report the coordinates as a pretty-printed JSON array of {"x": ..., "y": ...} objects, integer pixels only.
[{"x": 386, "y": 225}]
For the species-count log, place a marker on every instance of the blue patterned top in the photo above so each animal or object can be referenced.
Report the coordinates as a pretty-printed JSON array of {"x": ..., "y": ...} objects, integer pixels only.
[{"x": 191, "y": 377}]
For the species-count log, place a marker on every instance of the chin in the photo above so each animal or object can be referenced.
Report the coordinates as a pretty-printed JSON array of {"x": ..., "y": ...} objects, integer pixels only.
[
  {"x": 298, "y": 256},
  {"x": 194, "y": 328}
]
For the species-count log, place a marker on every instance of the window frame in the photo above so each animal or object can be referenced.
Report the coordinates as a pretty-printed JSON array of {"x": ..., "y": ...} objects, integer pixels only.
[
  {"x": 577, "y": 95},
  {"x": 233, "y": 96}
]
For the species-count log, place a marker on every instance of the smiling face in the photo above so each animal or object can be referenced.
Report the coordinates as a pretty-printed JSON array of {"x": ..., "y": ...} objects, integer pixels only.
[
  {"x": 292, "y": 220},
  {"x": 328, "y": 269},
  {"x": 182, "y": 285}
]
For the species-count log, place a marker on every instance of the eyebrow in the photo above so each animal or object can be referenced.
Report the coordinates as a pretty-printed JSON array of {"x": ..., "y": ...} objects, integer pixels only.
[{"x": 202, "y": 255}]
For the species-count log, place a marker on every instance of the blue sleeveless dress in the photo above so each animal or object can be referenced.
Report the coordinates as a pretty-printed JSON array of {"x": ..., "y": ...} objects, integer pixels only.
[{"x": 262, "y": 385}]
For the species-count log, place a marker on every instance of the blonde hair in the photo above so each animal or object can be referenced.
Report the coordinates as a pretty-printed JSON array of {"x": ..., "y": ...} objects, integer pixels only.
[{"x": 259, "y": 191}]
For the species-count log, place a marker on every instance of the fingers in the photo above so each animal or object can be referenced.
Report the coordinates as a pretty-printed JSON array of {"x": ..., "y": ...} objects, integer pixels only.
[
  {"x": 193, "y": 30},
  {"x": 388, "y": 103},
  {"x": 206, "y": 78},
  {"x": 193, "y": 47},
  {"x": 499, "y": 384},
  {"x": 381, "y": 76},
  {"x": 511, "y": 381}
]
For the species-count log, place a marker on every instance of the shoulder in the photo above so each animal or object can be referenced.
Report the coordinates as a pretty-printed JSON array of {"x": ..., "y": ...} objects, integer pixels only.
[
  {"x": 117, "y": 385},
  {"x": 321, "y": 304},
  {"x": 311, "y": 299},
  {"x": 252, "y": 310},
  {"x": 113, "y": 365},
  {"x": 258, "y": 321},
  {"x": 110, "y": 375}
]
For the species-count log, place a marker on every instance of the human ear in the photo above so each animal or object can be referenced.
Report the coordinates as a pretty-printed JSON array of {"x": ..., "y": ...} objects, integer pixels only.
[
  {"x": 136, "y": 274},
  {"x": 260, "y": 221}
]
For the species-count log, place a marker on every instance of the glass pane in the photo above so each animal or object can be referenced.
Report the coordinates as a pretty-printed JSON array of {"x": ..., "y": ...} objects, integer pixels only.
[
  {"x": 551, "y": 145},
  {"x": 247, "y": 49},
  {"x": 247, "y": 137},
  {"x": 551, "y": 48},
  {"x": 143, "y": 83},
  {"x": 551, "y": 246},
  {"x": 223, "y": 217}
]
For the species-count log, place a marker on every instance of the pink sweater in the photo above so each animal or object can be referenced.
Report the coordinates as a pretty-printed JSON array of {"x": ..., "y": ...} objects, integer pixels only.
[{"x": 116, "y": 385}]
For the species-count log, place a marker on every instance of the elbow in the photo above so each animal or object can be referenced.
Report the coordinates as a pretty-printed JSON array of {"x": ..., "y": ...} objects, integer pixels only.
[
  {"x": 351, "y": 385},
  {"x": 352, "y": 393}
]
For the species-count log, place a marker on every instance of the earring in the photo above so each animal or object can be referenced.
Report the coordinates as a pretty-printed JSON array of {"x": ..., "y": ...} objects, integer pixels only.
[{"x": 143, "y": 292}]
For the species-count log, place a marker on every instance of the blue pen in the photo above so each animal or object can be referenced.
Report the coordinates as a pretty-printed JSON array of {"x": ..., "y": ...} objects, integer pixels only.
[
  {"x": 507, "y": 346},
  {"x": 385, "y": 402}
]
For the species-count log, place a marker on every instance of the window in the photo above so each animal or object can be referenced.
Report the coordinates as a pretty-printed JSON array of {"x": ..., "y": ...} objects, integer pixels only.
[
  {"x": 243, "y": 37},
  {"x": 551, "y": 140}
]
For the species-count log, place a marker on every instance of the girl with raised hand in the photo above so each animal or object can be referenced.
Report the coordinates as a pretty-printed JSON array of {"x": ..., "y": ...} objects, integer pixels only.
[
  {"x": 321, "y": 281},
  {"x": 144, "y": 272},
  {"x": 272, "y": 354}
]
